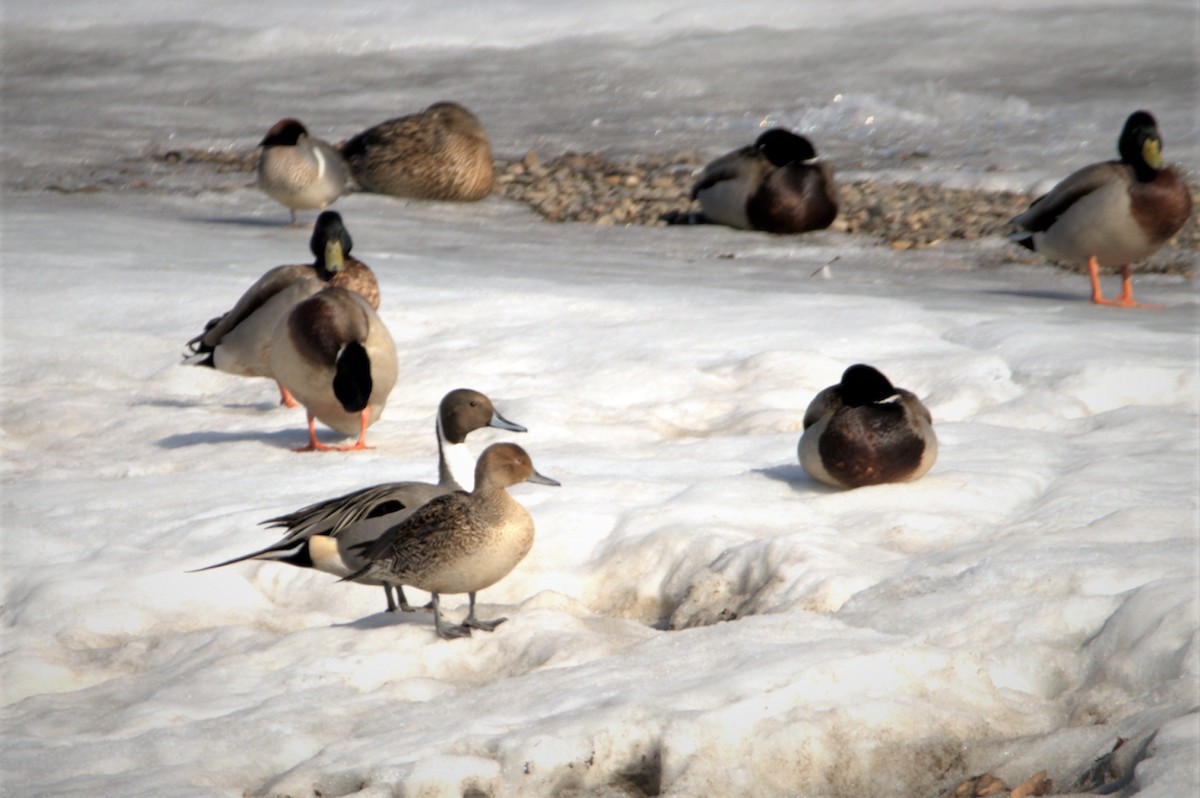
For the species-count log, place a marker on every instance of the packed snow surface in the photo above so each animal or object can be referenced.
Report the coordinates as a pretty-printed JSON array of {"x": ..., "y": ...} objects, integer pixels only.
[{"x": 697, "y": 616}]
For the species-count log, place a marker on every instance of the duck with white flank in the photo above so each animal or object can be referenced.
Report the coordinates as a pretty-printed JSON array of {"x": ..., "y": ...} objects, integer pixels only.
[
  {"x": 775, "y": 185},
  {"x": 865, "y": 431},
  {"x": 238, "y": 342},
  {"x": 298, "y": 171},
  {"x": 1112, "y": 213},
  {"x": 336, "y": 357},
  {"x": 441, "y": 153},
  {"x": 461, "y": 542},
  {"x": 324, "y": 535}
]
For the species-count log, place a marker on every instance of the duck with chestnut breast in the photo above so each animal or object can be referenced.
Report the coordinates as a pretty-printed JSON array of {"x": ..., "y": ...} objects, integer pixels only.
[
  {"x": 325, "y": 535},
  {"x": 238, "y": 341},
  {"x": 1112, "y": 213},
  {"x": 441, "y": 153},
  {"x": 461, "y": 542},
  {"x": 775, "y": 185},
  {"x": 336, "y": 357},
  {"x": 865, "y": 431},
  {"x": 299, "y": 171}
]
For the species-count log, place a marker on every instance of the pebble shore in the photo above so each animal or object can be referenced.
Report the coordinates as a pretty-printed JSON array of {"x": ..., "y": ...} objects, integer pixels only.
[{"x": 655, "y": 191}]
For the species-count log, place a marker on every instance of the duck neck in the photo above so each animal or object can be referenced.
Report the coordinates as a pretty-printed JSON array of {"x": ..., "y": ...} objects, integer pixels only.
[{"x": 456, "y": 466}]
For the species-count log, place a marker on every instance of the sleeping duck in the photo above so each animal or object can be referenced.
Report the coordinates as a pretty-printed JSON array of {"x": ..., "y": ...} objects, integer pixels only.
[
  {"x": 333, "y": 354},
  {"x": 238, "y": 341},
  {"x": 774, "y": 185},
  {"x": 298, "y": 171},
  {"x": 865, "y": 431},
  {"x": 441, "y": 153},
  {"x": 1111, "y": 213}
]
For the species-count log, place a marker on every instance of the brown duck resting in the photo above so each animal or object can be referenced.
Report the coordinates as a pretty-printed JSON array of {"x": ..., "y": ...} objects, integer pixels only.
[{"x": 442, "y": 153}]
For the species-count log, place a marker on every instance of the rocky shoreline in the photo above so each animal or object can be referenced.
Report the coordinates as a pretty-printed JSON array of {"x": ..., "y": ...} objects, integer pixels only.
[{"x": 654, "y": 191}]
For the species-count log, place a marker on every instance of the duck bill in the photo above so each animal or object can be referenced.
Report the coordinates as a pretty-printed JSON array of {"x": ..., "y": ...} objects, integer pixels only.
[
  {"x": 542, "y": 479},
  {"x": 1152, "y": 153},
  {"x": 334, "y": 258},
  {"x": 500, "y": 422}
]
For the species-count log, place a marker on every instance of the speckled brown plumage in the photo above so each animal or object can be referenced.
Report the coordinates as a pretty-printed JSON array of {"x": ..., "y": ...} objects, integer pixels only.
[
  {"x": 461, "y": 542},
  {"x": 441, "y": 153}
]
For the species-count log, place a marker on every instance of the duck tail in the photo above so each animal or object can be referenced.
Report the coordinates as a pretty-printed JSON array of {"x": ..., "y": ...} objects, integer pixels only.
[
  {"x": 352, "y": 377},
  {"x": 285, "y": 550},
  {"x": 361, "y": 572},
  {"x": 1025, "y": 239}
]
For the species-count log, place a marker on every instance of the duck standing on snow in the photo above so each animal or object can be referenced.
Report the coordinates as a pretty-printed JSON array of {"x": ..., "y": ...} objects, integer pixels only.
[
  {"x": 441, "y": 153},
  {"x": 461, "y": 542},
  {"x": 326, "y": 535},
  {"x": 1111, "y": 213},
  {"x": 298, "y": 171},
  {"x": 238, "y": 342},
  {"x": 775, "y": 185},
  {"x": 335, "y": 356},
  {"x": 865, "y": 431}
]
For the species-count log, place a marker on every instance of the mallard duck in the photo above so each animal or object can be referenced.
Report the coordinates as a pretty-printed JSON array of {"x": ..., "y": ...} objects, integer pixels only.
[
  {"x": 1112, "y": 213},
  {"x": 774, "y": 185},
  {"x": 461, "y": 542},
  {"x": 334, "y": 355},
  {"x": 238, "y": 341},
  {"x": 325, "y": 535},
  {"x": 298, "y": 171},
  {"x": 441, "y": 153},
  {"x": 865, "y": 431}
]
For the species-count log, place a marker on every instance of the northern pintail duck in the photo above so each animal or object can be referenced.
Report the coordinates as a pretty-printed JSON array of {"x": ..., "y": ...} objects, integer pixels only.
[
  {"x": 298, "y": 171},
  {"x": 238, "y": 342},
  {"x": 1112, "y": 213},
  {"x": 441, "y": 153},
  {"x": 775, "y": 185},
  {"x": 461, "y": 542},
  {"x": 336, "y": 357},
  {"x": 865, "y": 431},
  {"x": 326, "y": 535}
]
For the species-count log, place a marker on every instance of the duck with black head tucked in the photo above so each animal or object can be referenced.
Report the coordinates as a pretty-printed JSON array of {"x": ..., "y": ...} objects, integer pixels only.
[
  {"x": 865, "y": 431},
  {"x": 328, "y": 534},
  {"x": 441, "y": 153},
  {"x": 238, "y": 341},
  {"x": 299, "y": 171},
  {"x": 461, "y": 542},
  {"x": 1112, "y": 213},
  {"x": 775, "y": 185}
]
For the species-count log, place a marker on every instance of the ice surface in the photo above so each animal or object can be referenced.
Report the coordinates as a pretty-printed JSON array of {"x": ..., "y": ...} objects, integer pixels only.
[{"x": 697, "y": 617}]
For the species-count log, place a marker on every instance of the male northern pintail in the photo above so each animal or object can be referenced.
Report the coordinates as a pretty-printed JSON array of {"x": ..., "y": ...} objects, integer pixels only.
[{"x": 324, "y": 535}]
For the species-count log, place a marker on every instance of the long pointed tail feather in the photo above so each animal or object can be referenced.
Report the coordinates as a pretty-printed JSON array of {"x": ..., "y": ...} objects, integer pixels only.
[{"x": 276, "y": 551}]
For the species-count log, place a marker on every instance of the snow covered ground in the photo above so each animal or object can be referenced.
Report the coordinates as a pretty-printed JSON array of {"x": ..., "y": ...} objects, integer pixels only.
[{"x": 697, "y": 616}]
